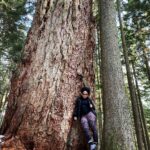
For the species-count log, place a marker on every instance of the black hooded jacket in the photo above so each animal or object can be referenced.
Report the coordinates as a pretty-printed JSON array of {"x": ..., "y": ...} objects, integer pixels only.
[{"x": 82, "y": 107}]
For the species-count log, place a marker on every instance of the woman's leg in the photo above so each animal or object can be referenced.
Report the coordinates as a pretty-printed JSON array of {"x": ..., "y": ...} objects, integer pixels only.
[
  {"x": 85, "y": 126},
  {"x": 92, "y": 122}
]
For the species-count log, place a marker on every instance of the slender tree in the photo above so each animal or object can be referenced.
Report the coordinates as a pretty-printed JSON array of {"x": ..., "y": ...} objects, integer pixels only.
[
  {"x": 141, "y": 107},
  {"x": 134, "y": 101},
  {"x": 97, "y": 56},
  {"x": 146, "y": 63},
  {"x": 117, "y": 132}
]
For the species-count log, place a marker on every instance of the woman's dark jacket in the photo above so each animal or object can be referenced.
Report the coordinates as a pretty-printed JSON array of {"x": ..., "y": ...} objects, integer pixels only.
[{"x": 78, "y": 111}]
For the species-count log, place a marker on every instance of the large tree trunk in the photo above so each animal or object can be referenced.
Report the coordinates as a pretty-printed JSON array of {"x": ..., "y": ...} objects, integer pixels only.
[
  {"x": 117, "y": 131},
  {"x": 58, "y": 51},
  {"x": 134, "y": 100}
]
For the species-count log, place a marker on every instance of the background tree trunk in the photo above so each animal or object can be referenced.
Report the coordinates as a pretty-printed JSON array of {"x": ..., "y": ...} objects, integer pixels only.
[
  {"x": 98, "y": 80},
  {"x": 58, "y": 51},
  {"x": 134, "y": 100},
  {"x": 117, "y": 131},
  {"x": 147, "y": 142},
  {"x": 146, "y": 63}
]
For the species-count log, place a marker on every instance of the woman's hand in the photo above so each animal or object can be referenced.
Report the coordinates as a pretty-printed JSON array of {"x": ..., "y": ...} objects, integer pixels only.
[{"x": 75, "y": 118}]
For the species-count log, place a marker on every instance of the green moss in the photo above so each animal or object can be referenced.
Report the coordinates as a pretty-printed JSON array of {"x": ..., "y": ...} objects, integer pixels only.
[{"x": 114, "y": 143}]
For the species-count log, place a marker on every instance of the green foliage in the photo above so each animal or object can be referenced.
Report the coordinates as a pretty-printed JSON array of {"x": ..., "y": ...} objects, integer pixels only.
[
  {"x": 136, "y": 29},
  {"x": 147, "y": 116},
  {"x": 113, "y": 142},
  {"x": 12, "y": 28},
  {"x": 14, "y": 24}
]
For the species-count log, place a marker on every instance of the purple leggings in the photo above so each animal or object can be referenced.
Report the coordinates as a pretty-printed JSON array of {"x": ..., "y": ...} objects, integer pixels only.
[{"x": 89, "y": 121}]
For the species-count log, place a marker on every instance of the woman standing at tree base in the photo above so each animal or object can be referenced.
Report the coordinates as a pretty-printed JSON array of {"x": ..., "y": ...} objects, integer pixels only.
[{"x": 85, "y": 111}]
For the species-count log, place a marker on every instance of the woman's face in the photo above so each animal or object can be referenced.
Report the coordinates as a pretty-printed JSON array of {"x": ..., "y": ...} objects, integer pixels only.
[{"x": 85, "y": 94}]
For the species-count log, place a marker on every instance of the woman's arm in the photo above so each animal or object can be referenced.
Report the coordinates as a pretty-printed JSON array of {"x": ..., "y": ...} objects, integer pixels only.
[
  {"x": 92, "y": 103},
  {"x": 93, "y": 107}
]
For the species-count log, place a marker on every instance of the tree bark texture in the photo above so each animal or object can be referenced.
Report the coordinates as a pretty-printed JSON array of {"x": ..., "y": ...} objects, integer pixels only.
[
  {"x": 117, "y": 129},
  {"x": 58, "y": 52}
]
